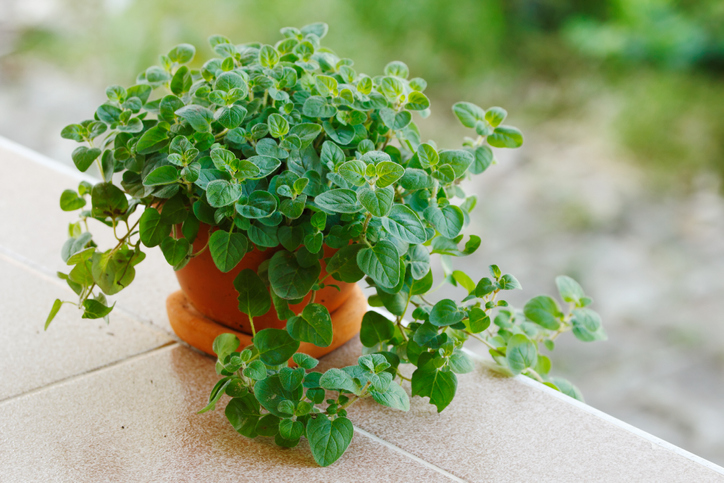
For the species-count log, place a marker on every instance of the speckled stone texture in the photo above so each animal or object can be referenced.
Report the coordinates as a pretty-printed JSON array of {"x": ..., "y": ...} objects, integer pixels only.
[
  {"x": 31, "y": 358},
  {"x": 89, "y": 402}
]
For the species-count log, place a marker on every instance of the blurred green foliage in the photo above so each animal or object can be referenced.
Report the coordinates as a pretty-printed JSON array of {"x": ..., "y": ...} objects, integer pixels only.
[{"x": 662, "y": 60}]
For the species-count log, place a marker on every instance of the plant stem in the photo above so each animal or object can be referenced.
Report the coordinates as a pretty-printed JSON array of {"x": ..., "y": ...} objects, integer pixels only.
[
  {"x": 535, "y": 375},
  {"x": 481, "y": 340},
  {"x": 253, "y": 331},
  {"x": 356, "y": 398}
]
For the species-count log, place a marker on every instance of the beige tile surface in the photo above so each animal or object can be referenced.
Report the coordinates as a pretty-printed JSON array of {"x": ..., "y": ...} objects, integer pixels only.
[
  {"x": 33, "y": 227},
  {"x": 137, "y": 422},
  {"x": 31, "y": 358},
  {"x": 498, "y": 429}
]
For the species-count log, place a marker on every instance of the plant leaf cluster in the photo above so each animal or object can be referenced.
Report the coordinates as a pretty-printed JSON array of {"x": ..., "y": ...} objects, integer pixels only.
[{"x": 287, "y": 146}]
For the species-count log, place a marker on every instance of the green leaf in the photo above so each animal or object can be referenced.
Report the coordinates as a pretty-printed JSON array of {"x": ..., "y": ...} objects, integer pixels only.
[
  {"x": 353, "y": 172},
  {"x": 153, "y": 230},
  {"x": 378, "y": 202},
  {"x": 521, "y": 353},
  {"x": 53, "y": 312},
  {"x": 288, "y": 278},
  {"x": 567, "y": 388},
  {"x": 243, "y": 413},
  {"x": 339, "y": 200},
  {"x": 587, "y": 325},
  {"x": 403, "y": 223},
  {"x": 460, "y": 363},
  {"x": 70, "y": 201},
  {"x": 445, "y": 312},
  {"x": 331, "y": 155},
  {"x": 417, "y": 101},
  {"x": 225, "y": 344},
  {"x": 544, "y": 311},
  {"x": 448, "y": 221},
  {"x": 381, "y": 263},
  {"x": 388, "y": 172},
  {"x": 221, "y": 192},
  {"x": 569, "y": 289},
  {"x": 478, "y": 321},
  {"x": 83, "y": 157},
  {"x": 74, "y": 132},
  {"x": 462, "y": 279},
  {"x": 291, "y": 430},
  {"x": 270, "y": 392},
  {"x": 416, "y": 179},
  {"x": 275, "y": 346},
  {"x": 108, "y": 200},
  {"x": 314, "y": 325},
  {"x": 263, "y": 235},
  {"x": 495, "y": 116},
  {"x": 328, "y": 440},
  {"x": 338, "y": 380},
  {"x": 265, "y": 166},
  {"x": 439, "y": 386},
  {"x": 395, "y": 120},
  {"x": 161, "y": 176},
  {"x": 394, "y": 397},
  {"x": 175, "y": 210},
  {"x": 423, "y": 284},
  {"x": 198, "y": 117},
  {"x": 506, "y": 137},
  {"x": 305, "y": 361},
  {"x": 397, "y": 69},
  {"x": 230, "y": 116},
  {"x": 427, "y": 156},
  {"x": 326, "y": 85},
  {"x": 261, "y": 204},
  {"x": 268, "y": 56},
  {"x": 469, "y": 114},
  {"x": 278, "y": 126},
  {"x": 458, "y": 160},
  {"x": 317, "y": 106},
  {"x": 155, "y": 139},
  {"x": 344, "y": 264},
  {"x": 95, "y": 309},
  {"x": 254, "y": 299},
  {"x": 182, "y": 53},
  {"x": 227, "y": 249},
  {"x": 228, "y": 81},
  {"x": 375, "y": 328},
  {"x": 343, "y": 134},
  {"x": 256, "y": 370},
  {"x": 483, "y": 159},
  {"x": 307, "y": 132},
  {"x": 509, "y": 282},
  {"x": 175, "y": 251}
]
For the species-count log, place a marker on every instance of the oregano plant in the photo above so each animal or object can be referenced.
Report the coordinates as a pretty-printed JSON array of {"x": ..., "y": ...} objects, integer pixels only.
[{"x": 287, "y": 146}]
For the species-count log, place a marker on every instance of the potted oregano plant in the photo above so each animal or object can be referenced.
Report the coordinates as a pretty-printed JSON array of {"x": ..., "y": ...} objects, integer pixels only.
[{"x": 273, "y": 179}]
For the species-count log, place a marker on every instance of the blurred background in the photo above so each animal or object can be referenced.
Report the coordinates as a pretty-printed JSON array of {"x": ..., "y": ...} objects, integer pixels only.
[{"x": 619, "y": 183}]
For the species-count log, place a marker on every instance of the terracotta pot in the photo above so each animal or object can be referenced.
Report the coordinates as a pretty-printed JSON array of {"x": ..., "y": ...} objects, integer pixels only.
[{"x": 211, "y": 293}]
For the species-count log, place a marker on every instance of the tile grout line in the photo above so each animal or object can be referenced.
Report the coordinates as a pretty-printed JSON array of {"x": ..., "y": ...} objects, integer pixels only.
[
  {"x": 140, "y": 355},
  {"x": 654, "y": 440},
  {"x": 48, "y": 275},
  {"x": 417, "y": 459}
]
